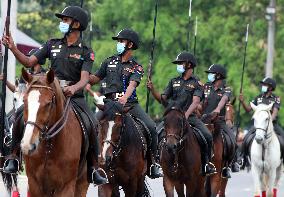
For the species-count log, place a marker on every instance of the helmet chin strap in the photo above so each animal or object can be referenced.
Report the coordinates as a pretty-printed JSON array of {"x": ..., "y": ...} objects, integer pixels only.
[{"x": 70, "y": 28}]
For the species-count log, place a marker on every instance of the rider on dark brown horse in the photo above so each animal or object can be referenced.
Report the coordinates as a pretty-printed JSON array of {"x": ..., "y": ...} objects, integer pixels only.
[
  {"x": 267, "y": 97},
  {"x": 186, "y": 90},
  {"x": 122, "y": 74},
  {"x": 72, "y": 62},
  {"x": 217, "y": 94}
]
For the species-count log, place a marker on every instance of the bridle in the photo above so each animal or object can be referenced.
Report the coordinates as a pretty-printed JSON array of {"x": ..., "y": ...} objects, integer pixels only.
[
  {"x": 47, "y": 131},
  {"x": 179, "y": 137},
  {"x": 266, "y": 136}
]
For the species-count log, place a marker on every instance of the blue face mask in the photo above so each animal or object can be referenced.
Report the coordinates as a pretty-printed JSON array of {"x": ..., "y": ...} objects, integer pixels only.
[
  {"x": 211, "y": 77},
  {"x": 264, "y": 89},
  {"x": 120, "y": 47},
  {"x": 63, "y": 27},
  {"x": 180, "y": 69}
]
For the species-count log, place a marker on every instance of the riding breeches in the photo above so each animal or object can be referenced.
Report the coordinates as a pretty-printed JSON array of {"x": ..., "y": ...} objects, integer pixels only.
[
  {"x": 138, "y": 112},
  {"x": 278, "y": 130}
]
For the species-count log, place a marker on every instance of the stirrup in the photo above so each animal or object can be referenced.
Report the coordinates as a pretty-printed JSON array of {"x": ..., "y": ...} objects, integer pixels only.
[
  {"x": 99, "y": 170},
  {"x": 213, "y": 168},
  {"x": 160, "y": 173},
  {"x": 8, "y": 140},
  {"x": 7, "y": 160}
]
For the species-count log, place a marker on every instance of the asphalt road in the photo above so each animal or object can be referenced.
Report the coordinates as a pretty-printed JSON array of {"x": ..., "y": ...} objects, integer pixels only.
[{"x": 240, "y": 185}]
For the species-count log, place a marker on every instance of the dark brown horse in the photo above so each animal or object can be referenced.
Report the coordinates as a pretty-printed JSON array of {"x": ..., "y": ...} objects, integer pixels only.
[
  {"x": 181, "y": 156},
  {"x": 52, "y": 141},
  {"x": 123, "y": 151}
]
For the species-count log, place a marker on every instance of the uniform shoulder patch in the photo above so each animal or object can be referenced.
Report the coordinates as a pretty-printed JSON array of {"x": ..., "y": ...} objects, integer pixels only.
[{"x": 92, "y": 56}]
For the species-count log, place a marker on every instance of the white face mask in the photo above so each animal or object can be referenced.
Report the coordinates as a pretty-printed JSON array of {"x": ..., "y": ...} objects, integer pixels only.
[
  {"x": 264, "y": 89},
  {"x": 211, "y": 77},
  {"x": 180, "y": 69}
]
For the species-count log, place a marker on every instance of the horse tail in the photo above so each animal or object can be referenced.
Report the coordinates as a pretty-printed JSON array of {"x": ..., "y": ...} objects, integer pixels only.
[
  {"x": 9, "y": 181},
  {"x": 208, "y": 186}
]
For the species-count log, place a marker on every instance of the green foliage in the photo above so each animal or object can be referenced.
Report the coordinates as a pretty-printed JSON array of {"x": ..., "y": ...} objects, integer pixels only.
[{"x": 220, "y": 39}]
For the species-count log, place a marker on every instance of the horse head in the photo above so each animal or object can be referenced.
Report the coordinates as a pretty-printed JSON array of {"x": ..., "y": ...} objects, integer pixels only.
[
  {"x": 112, "y": 124},
  {"x": 40, "y": 102},
  {"x": 175, "y": 126},
  {"x": 262, "y": 122}
]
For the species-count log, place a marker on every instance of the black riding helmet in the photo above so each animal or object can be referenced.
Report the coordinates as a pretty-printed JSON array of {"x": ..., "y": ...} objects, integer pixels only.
[
  {"x": 185, "y": 57},
  {"x": 41, "y": 62},
  {"x": 128, "y": 34},
  {"x": 76, "y": 13},
  {"x": 218, "y": 69},
  {"x": 269, "y": 81}
]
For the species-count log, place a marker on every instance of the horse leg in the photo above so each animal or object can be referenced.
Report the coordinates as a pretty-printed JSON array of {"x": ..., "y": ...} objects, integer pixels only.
[
  {"x": 270, "y": 183},
  {"x": 180, "y": 189},
  {"x": 257, "y": 180},
  {"x": 34, "y": 190},
  {"x": 168, "y": 186},
  {"x": 222, "y": 192},
  {"x": 278, "y": 176},
  {"x": 105, "y": 190},
  {"x": 131, "y": 188},
  {"x": 82, "y": 185},
  {"x": 68, "y": 190}
]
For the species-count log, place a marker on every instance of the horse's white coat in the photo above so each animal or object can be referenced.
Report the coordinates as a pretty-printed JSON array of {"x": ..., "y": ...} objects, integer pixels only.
[
  {"x": 106, "y": 144},
  {"x": 267, "y": 171},
  {"x": 33, "y": 106}
]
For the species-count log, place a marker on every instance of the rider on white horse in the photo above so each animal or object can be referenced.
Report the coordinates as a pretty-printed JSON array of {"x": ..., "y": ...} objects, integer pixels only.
[
  {"x": 265, "y": 152},
  {"x": 267, "y": 97}
]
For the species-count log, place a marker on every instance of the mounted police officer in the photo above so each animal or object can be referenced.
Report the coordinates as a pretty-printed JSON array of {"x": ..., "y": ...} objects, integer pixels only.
[
  {"x": 267, "y": 97},
  {"x": 72, "y": 62},
  {"x": 217, "y": 94},
  {"x": 122, "y": 75},
  {"x": 187, "y": 91}
]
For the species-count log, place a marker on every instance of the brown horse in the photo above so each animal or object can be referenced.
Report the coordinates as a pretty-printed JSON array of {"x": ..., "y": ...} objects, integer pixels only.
[
  {"x": 123, "y": 151},
  {"x": 181, "y": 156},
  {"x": 52, "y": 141},
  {"x": 216, "y": 184}
]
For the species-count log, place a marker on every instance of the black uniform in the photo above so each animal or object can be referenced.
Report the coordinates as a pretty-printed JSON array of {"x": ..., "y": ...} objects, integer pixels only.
[
  {"x": 263, "y": 99},
  {"x": 68, "y": 62},
  {"x": 182, "y": 91},
  {"x": 117, "y": 76}
]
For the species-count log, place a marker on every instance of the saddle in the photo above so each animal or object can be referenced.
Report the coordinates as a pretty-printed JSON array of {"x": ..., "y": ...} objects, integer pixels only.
[{"x": 144, "y": 134}]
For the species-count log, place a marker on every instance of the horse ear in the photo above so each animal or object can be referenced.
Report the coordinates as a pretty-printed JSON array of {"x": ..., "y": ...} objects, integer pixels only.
[
  {"x": 253, "y": 106},
  {"x": 50, "y": 76},
  {"x": 100, "y": 106},
  {"x": 26, "y": 76}
]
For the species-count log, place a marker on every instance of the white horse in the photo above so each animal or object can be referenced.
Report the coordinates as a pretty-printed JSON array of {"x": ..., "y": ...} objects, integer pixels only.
[{"x": 265, "y": 153}]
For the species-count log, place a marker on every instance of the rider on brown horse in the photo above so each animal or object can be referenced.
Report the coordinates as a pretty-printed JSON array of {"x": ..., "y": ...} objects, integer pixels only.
[
  {"x": 122, "y": 74},
  {"x": 186, "y": 90},
  {"x": 72, "y": 62},
  {"x": 217, "y": 94}
]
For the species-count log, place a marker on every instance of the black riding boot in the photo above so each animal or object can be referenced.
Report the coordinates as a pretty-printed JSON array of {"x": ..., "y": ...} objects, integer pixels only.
[
  {"x": 155, "y": 169},
  {"x": 209, "y": 167},
  {"x": 92, "y": 162},
  {"x": 12, "y": 163},
  {"x": 226, "y": 173}
]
